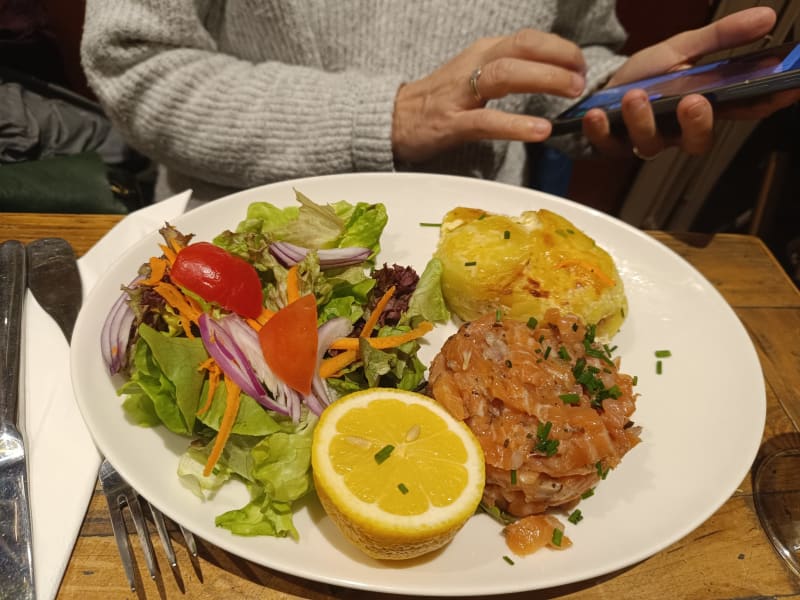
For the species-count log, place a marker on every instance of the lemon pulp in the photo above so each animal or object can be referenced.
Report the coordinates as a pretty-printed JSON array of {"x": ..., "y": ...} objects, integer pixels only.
[{"x": 396, "y": 472}]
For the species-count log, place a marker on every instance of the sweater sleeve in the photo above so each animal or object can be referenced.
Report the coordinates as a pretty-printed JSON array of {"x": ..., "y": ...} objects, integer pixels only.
[{"x": 158, "y": 72}]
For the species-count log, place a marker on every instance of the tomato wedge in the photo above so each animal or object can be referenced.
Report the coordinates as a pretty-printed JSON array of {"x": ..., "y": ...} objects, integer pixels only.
[
  {"x": 289, "y": 342},
  {"x": 218, "y": 276}
]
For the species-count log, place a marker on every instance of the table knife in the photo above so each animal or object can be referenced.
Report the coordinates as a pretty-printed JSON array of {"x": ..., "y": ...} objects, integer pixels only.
[
  {"x": 16, "y": 554},
  {"x": 55, "y": 281}
]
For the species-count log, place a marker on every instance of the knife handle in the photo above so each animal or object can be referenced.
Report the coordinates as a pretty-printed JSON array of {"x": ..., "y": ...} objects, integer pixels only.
[{"x": 12, "y": 296}]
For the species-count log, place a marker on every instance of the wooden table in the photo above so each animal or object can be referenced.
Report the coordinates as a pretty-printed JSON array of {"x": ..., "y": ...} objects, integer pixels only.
[{"x": 727, "y": 557}]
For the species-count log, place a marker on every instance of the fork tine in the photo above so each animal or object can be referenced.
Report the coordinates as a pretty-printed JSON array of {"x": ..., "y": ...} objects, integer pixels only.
[
  {"x": 161, "y": 528},
  {"x": 188, "y": 536},
  {"x": 141, "y": 530},
  {"x": 121, "y": 537}
]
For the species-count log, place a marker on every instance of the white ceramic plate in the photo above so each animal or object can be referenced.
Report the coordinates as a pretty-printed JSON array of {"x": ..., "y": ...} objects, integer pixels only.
[{"x": 702, "y": 418}]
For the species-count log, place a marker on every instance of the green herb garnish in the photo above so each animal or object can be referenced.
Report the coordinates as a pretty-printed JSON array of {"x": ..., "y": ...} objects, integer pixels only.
[
  {"x": 544, "y": 443},
  {"x": 558, "y": 535},
  {"x": 570, "y": 398},
  {"x": 384, "y": 453}
]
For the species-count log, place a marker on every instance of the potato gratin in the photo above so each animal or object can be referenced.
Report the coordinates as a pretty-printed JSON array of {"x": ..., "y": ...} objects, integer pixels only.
[{"x": 526, "y": 265}]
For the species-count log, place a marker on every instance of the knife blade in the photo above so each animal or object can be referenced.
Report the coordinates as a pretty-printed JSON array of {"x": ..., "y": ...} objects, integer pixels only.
[
  {"x": 54, "y": 280},
  {"x": 16, "y": 555}
]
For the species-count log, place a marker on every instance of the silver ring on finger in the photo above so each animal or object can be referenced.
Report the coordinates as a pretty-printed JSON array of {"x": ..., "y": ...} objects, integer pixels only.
[
  {"x": 638, "y": 154},
  {"x": 473, "y": 85}
]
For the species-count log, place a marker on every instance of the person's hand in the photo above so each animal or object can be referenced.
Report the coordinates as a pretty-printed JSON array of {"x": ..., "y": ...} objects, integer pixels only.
[
  {"x": 694, "y": 112},
  {"x": 447, "y": 107}
]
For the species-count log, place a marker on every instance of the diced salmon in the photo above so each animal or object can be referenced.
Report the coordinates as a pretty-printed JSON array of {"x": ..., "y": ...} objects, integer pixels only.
[
  {"x": 529, "y": 534},
  {"x": 548, "y": 405}
]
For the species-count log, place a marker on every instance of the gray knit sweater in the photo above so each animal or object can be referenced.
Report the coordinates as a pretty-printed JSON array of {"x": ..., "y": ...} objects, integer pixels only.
[{"x": 238, "y": 93}]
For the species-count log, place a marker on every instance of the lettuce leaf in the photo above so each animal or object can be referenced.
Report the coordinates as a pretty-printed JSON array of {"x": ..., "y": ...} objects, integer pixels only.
[
  {"x": 427, "y": 302},
  {"x": 165, "y": 383},
  {"x": 276, "y": 468}
]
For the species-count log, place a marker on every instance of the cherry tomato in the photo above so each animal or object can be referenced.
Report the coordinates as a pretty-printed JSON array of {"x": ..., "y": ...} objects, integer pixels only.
[
  {"x": 289, "y": 343},
  {"x": 218, "y": 276}
]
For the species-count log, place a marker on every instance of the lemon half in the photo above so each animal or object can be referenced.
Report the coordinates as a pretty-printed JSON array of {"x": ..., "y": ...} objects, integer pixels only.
[{"x": 396, "y": 472}]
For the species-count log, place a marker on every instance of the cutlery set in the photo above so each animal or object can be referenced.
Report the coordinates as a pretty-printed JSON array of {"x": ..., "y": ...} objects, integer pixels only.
[{"x": 48, "y": 267}]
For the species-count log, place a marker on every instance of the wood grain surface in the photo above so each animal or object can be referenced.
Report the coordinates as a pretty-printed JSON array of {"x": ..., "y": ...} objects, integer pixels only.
[{"x": 727, "y": 557}]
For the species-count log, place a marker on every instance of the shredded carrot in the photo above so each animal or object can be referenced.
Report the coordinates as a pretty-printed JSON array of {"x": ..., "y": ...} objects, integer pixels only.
[
  {"x": 260, "y": 320},
  {"x": 158, "y": 268},
  {"x": 331, "y": 366},
  {"x": 169, "y": 253},
  {"x": 214, "y": 373},
  {"x": 292, "y": 284},
  {"x": 376, "y": 312},
  {"x": 593, "y": 269},
  {"x": 187, "y": 308},
  {"x": 388, "y": 341},
  {"x": 175, "y": 245},
  {"x": 228, "y": 419}
]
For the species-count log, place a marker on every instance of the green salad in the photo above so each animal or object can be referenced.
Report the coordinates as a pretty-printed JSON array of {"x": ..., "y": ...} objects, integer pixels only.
[{"x": 241, "y": 343}]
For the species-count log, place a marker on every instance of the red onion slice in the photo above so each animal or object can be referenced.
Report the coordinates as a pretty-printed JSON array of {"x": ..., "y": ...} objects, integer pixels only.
[
  {"x": 116, "y": 332},
  {"x": 290, "y": 254},
  {"x": 222, "y": 346}
]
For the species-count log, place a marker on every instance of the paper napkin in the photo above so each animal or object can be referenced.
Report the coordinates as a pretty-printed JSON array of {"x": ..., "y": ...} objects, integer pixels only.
[{"x": 63, "y": 461}]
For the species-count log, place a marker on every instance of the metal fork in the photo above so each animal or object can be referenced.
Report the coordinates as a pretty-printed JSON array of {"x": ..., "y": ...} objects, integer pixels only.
[{"x": 119, "y": 494}]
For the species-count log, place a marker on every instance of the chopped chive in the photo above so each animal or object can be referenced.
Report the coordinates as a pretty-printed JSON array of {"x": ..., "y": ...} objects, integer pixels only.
[
  {"x": 482, "y": 217},
  {"x": 635, "y": 380},
  {"x": 506, "y": 234},
  {"x": 532, "y": 322},
  {"x": 570, "y": 398},
  {"x": 544, "y": 444},
  {"x": 470, "y": 263},
  {"x": 575, "y": 517},
  {"x": 508, "y": 560},
  {"x": 563, "y": 354},
  {"x": 587, "y": 494},
  {"x": 574, "y": 327},
  {"x": 513, "y": 477},
  {"x": 384, "y": 453},
  {"x": 659, "y": 368},
  {"x": 498, "y": 315},
  {"x": 543, "y": 430},
  {"x": 558, "y": 535},
  {"x": 570, "y": 231},
  {"x": 601, "y": 472},
  {"x": 547, "y": 352},
  {"x": 663, "y": 353},
  {"x": 430, "y": 224},
  {"x": 402, "y": 487}
]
